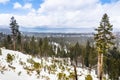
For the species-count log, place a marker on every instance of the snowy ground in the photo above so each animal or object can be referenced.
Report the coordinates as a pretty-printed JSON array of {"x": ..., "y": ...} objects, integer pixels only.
[{"x": 26, "y": 67}]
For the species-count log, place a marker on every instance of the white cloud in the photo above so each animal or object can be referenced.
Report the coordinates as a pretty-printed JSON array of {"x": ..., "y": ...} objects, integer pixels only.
[
  {"x": 17, "y": 5},
  {"x": 79, "y": 13},
  {"x": 71, "y": 13},
  {"x": 5, "y": 19},
  {"x": 68, "y": 13},
  {"x": 3, "y": 1},
  {"x": 25, "y": 6}
]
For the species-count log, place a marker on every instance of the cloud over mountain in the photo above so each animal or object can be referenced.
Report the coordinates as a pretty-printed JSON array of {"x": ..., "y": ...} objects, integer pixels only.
[{"x": 65, "y": 13}]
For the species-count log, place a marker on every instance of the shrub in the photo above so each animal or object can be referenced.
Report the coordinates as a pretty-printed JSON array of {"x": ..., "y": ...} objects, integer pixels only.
[
  {"x": 104, "y": 78},
  {"x": 36, "y": 65},
  {"x": 30, "y": 60},
  {"x": 22, "y": 63},
  {"x": 9, "y": 58},
  {"x": 61, "y": 76},
  {"x": 19, "y": 73},
  {"x": 88, "y": 77},
  {"x": 72, "y": 75},
  {"x": 62, "y": 68},
  {"x": 52, "y": 68}
]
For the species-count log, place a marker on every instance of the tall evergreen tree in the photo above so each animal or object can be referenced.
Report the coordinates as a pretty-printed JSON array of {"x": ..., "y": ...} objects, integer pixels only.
[
  {"x": 92, "y": 57},
  {"x": 45, "y": 47},
  {"x": 33, "y": 46},
  {"x": 40, "y": 42},
  {"x": 103, "y": 38},
  {"x": 9, "y": 41},
  {"x": 87, "y": 54},
  {"x": 15, "y": 30},
  {"x": 19, "y": 42},
  {"x": 112, "y": 63},
  {"x": 76, "y": 53}
]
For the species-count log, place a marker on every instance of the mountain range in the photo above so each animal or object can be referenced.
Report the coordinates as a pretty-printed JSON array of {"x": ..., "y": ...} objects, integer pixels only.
[{"x": 46, "y": 32}]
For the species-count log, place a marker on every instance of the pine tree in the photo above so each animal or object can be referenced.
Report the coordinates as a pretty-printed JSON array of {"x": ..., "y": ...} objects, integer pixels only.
[
  {"x": 113, "y": 64},
  {"x": 19, "y": 42},
  {"x": 45, "y": 47},
  {"x": 92, "y": 57},
  {"x": 9, "y": 41},
  {"x": 103, "y": 38},
  {"x": 87, "y": 54},
  {"x": 5, "y": 43},
  {"x": 15, "y": 30},
  {"x": 40, "y": 42},
  {"x": 76, "y": 52},
  {"x": 33, "y": 46}
]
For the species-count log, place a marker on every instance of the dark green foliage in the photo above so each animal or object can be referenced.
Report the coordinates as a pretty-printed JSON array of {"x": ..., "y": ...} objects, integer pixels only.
[
  {"x": 61, "y": 76},
  {"x": 93, "y": 57},
  {"x": 26, "y": 47},
  {"x": 33, "y": 46},
  {"x": 88, "y": 77},
  {"x": 14, "y": 26},
  {"x": 36, "y": 65},
  {"x": 75, "y": 52},
  {"x": 45, "y": 47},
  {"x": 87, "y": 54},
  {"x": 37, "y": 46},
  {"x": 19, "y": 38},
  {"x": 104, "y": 35},
  {"x": 112, "y": 64},
  {"x": 15, "y": 30},
  {"x": 104, "y": 40},
  {"x": 19, "y": 42},
  {"x": 51, "y": 51},
  {"x": 5, "y": 43},
  {"x": 40, "y": 43},
  {"x": 9, "y": 58},
  {"x": 90, "y": 56},
  {"x": 8, "y": 42},
  {"x": 72, "y": 75}
]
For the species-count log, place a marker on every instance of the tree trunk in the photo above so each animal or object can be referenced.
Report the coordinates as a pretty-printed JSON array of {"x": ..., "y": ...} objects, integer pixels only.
[
  {"x": 14, "y": 44},
  {"x": 100, "y": 66},
  {"x": 76, "y": 62},
  {"x": 82, "y": 62},
  {"x": 75, "y": 73}
]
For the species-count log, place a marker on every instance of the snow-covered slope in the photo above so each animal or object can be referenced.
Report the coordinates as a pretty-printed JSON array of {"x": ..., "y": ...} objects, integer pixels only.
[{"x": 15, "y": 65}]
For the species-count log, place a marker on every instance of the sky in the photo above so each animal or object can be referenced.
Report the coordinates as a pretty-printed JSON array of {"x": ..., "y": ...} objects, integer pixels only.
[{"x": 59, "y": 15}]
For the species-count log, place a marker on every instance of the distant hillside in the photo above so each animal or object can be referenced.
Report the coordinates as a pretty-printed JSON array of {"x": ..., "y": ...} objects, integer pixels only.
[
  {"x": 4, "y": 30},
  {"x": 50, "y": 34},
  {"x": 44, "y": 34}
]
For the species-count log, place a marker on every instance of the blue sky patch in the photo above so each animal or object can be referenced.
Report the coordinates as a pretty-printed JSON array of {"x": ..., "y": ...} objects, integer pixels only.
[{"x": 108, "y": 1}]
